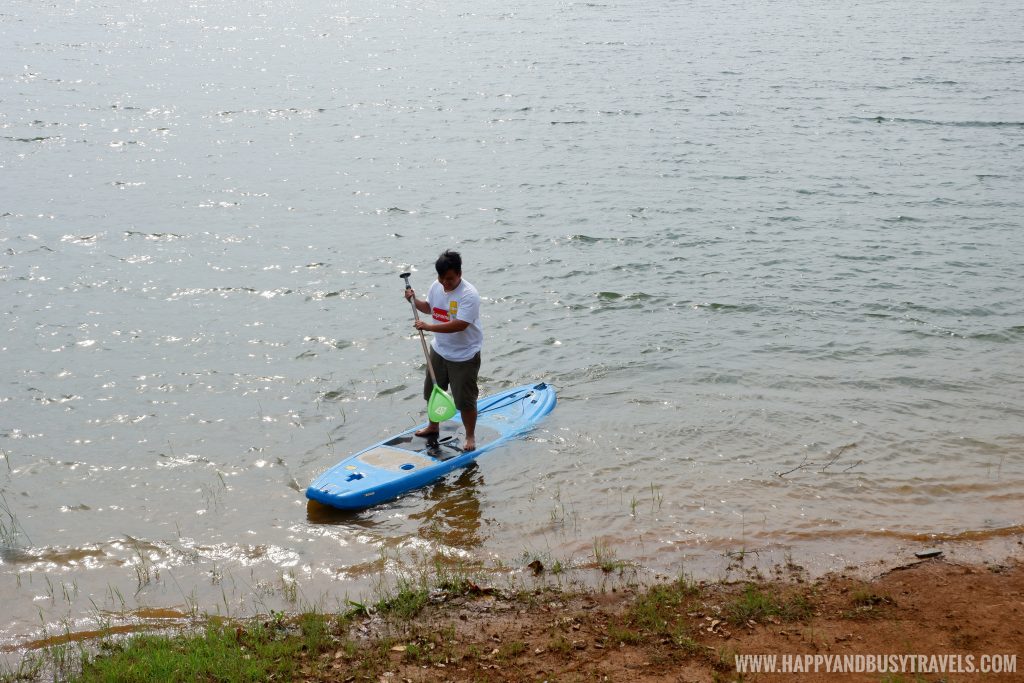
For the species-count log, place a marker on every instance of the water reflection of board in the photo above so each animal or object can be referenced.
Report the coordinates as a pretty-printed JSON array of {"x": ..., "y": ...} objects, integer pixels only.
[{"x": 405, "y": 462}]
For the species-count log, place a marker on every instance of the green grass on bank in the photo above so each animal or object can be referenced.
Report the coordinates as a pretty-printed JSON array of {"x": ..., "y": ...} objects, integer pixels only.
[
  {"x": 274, "y": 647},
  {"x": 261, "y": 651}
]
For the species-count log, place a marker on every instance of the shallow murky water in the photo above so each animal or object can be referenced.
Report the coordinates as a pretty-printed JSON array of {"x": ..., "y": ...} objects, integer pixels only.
[{"x": 770, "y": 256}]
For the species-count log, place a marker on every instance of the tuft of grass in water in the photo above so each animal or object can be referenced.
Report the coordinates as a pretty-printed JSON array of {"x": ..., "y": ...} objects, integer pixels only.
[
  {"x": 30, "y": 668},
  {"x": 452, "y": 578},
  {"x": 605, "y": 558},
  {"x": 412, "y": 590},
  {"x": 10, "y": 529},
  {"x": 144, "y": 571},
  {"x": 290, "y": 587},
  {"x": 657, "y": 498},
  {"x": 409, "y": 598}
]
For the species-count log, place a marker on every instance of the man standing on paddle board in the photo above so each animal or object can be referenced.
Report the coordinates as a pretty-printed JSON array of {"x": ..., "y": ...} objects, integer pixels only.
[{"x": 454, "y": 305}]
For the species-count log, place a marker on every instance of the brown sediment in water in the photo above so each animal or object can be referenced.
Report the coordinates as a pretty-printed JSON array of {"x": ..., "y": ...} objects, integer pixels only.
[
  {"x": 146, "y": 619},
  {"x": 958, "y": 537}
]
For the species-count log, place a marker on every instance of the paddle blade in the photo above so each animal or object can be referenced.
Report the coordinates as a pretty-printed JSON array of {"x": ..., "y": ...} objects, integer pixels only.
[{"x": 440, "y": 407}]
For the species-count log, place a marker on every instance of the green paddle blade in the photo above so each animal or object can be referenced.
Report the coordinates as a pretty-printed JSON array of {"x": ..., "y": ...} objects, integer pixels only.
[{"x": 440, "y": 407}]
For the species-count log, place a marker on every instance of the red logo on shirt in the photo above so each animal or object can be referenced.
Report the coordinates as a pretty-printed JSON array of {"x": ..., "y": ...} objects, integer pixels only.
[{"x": 441, "y": 315}]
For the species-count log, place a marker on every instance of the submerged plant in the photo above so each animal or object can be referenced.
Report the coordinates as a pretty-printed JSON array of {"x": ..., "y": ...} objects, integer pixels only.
[
  {"x": 605, "y": 558},
  {"x": 10, "y": 529}
]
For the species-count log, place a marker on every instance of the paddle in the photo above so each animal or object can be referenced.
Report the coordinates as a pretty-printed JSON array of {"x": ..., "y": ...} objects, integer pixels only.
[{"x": 440, "y": 407}]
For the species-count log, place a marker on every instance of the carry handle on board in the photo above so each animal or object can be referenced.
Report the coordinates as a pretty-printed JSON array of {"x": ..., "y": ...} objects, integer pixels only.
[{"x": 440, "y": 407}]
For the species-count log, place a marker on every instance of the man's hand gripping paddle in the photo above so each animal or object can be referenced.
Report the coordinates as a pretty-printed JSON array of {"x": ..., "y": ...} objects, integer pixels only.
[{"x": 440, "y": 407}]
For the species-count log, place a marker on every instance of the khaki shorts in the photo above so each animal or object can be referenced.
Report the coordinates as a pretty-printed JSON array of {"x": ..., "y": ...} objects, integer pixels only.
[{"x": 460, "y": 375}]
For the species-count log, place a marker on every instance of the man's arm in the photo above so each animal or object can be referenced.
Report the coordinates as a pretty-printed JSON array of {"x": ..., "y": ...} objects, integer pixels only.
[
  {"x": 421, "y": 306},
  {"x": 442, "y": 328}
]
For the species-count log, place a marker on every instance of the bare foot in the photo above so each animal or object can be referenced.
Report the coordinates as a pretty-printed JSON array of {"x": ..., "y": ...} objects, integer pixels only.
[
  {"x": 426, "y": 431},
  {"x": 470, "y": 445}
]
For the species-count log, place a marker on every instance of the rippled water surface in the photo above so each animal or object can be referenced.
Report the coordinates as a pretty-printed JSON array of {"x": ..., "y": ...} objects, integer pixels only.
[{"x": 769, "y": 253}]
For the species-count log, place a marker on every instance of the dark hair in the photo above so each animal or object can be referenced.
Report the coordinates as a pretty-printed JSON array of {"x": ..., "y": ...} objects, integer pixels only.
[{"x": 449, "y": 260}]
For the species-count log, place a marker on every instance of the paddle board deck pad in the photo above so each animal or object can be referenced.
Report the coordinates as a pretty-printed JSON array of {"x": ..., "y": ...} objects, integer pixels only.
[{"x": 406, "y": 462}]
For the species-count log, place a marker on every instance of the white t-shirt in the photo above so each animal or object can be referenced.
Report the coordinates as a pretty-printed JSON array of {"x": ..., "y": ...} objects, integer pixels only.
[{"x": 462, "y": 303}]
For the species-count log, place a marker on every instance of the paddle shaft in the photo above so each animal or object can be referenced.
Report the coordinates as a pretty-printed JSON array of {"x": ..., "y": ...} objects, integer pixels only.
[{"x": 423, "y": 339}]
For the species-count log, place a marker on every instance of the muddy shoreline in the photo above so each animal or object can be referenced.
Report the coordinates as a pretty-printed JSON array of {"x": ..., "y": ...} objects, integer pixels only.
[
  {"x": 933, "y": 618},
  {"x": 955, "y": 612}
]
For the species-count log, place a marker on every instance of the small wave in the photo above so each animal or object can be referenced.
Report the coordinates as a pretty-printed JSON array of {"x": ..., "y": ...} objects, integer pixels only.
[
  {"x": 571, "y": 274},
  {"x": 930, "y": 122},
  {"x": 905, "y": 307},
  {"x": 38, "y": 138},
  {"x": 392, "y": 390},
  {"x": 875, "y": 259},
  {"x": 588, "y": 239},
  {"x": 334, "y": 343},
  {"x": 224, "y": 291},
  {"x": 155, "y": 236},
  {"x": 930, "y": 334},
  {"x": 934, "y": 81},
  {"x": 728, "y": 308},
  {"x": 269, "y": 113},
  {"x": 615, "y": 296},
  {"x": 903, "y": 219},
  {"x": 1011, "y": 334},
  {"x": 333, "y": 395}
]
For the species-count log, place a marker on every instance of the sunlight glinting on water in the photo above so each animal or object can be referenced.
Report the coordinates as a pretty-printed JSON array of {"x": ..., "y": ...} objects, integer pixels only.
[{"x": 768, "y": 254}]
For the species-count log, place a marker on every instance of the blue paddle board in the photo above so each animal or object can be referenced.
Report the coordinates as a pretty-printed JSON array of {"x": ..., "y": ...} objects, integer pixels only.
[{"x": 406, "y": 462}]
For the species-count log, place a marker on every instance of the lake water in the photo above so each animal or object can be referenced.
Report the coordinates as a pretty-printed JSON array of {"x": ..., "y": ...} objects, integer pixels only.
[{"x": 769, "y": 253}]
